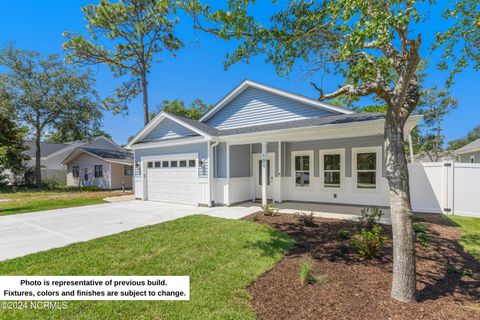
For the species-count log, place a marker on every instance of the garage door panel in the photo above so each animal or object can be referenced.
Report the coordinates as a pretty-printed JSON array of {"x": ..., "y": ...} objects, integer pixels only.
[{"x": 177, "y": 185}]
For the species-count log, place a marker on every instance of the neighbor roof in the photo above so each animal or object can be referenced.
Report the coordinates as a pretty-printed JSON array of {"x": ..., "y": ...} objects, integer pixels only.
[
  {"x": 46, "y": 148},
  {"x": 117, "y": 156},
  {"x": 473, "y": 146}
]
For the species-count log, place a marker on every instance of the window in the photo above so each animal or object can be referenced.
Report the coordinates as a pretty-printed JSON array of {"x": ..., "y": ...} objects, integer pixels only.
[
  {"x": 191, "y": 163},
  {"x": 149, "y": 164},
  {"x": 260, "y": 172},
  {"x": 472, "y": 159},
  {"x": 332, "y": 167},
  {"x": 157, "y": 164},
  {"x": 183, "y": 163},
  {"x": 302, "y": 168},
  {"x": 165, "y": 164},
  {"x": 76, "y": 172},
  {"x": 127, "y": 170},
  {"x": 98, "y": 171},
  {"x": 174, "y": 163},
  {"x": 366, "y": 167}
]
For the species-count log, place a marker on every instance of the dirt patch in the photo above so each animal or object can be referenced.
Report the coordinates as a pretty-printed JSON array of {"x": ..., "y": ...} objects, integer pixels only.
[{"x": 358, "y": 289}]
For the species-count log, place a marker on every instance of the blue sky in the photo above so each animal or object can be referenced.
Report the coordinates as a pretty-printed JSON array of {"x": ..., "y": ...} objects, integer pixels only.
[{"x": 198, "y": 70}]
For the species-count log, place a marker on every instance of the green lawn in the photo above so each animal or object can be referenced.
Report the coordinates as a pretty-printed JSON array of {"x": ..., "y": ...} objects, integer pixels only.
[
  {"x": 22, "y": 202},
  {"x": 222, "y": 257},
  {"x": 470, "y": 241}
]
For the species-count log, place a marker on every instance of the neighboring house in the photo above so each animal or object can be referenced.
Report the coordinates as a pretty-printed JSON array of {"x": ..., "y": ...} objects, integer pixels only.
[
  {"x": 101, "y": 163},
  {"x": 469, "y": 153},
  {"x": 263, "y": 143}
]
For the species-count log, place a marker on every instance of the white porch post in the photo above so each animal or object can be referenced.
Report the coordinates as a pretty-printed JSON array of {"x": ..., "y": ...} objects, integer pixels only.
[
  {"x": 264, "y": 173},
  {"x": 228, "y": 173},
  {"x": 210, "y": 173},
  {"x": 279, "y": 177}
]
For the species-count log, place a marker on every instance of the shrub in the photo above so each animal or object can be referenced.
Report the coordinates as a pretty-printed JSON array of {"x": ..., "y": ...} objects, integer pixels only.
[
  {"x": 306, "y": 275},
  {"x": 344, "y": 234},
  {"x": 306, "y": 219},
  {"x": 268, "y": 209},
  {"x": 253, "y": 217},
  {"x": 371, "y": 217},
  {"x": 421, "y": 234},
  {"x": 368, "y": 243}
]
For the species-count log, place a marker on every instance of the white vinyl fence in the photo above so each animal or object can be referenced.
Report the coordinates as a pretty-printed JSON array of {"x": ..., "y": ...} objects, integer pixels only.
[{"x": 445, "y": 187}]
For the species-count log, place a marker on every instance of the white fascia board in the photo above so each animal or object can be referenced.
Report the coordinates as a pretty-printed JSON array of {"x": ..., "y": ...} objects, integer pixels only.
[
  {"x": 168, "y": 143},
  {"x": 467, "y": 151},
  {"x": 156, "y": 121},
  {"x": 331, "y": 131},
  {"x": 248, "y": 83}
]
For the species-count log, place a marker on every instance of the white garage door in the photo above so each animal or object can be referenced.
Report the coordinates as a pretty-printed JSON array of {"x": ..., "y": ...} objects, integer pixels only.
[{"x": 173, "y": 180}]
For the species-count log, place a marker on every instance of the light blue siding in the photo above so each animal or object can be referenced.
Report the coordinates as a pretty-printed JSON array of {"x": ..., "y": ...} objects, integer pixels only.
[
  {"x": 168, "y": 129},
  {"x": 200, "y": 148},
  {"x": 254, "y": 106},
  {"x": 240, "y": 161},
  {"x": 347, "y": 144}
]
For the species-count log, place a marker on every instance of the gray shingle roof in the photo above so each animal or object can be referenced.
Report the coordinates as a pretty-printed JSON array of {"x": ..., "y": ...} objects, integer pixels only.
[
  {"x": 46, "y": 148},
  {"x": 199, "y": 125},
  {"x": 109, "y": 154},
  {"x": 475, "y": 145}
]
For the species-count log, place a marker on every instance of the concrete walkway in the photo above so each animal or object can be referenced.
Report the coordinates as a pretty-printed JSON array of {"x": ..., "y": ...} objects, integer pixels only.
[{"x": 22, "y": 234}]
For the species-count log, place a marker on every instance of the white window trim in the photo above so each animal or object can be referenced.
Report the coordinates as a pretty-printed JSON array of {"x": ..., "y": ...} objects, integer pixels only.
[
  {"x": 378, "y": 175},
  {"x": 79, "y": 173},
  {"x": 324, "y": 152},
  {"x": 472, "y": 158},
  {"x": 309, "y": 153},
  {"x": 94, "y": 172}
]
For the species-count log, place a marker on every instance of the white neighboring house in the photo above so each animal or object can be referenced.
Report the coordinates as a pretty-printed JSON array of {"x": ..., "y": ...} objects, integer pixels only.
[
  {"x": 260, "y": 142},
  {"x": 101, "y": 163},
  {"x": 469, "y": 153}
]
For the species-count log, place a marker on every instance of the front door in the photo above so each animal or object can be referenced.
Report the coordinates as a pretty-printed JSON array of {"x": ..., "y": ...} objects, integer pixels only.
[{"x": 257, "y": 174}]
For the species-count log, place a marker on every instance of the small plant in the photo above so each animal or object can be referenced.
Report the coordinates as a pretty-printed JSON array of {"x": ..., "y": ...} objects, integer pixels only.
[
  {"x": 254, "y": 217},
  {"x": 465, "y": 272},
  {"x": 421, "y": 234},
  {"x": 268, "y": 209},
  {"x": 371, "y": 217},
  {"x": 306, "y": 219},
  {"x": 344, "y": 234},
  {"x": 368, "y": 243},
  {"x": 306, "y": 275}
]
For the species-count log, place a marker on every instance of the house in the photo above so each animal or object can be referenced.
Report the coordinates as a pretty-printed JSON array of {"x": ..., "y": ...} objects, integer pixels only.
[
  {"x": 469, "y": 153},
  {"x": 100, "y": 163},
  {"x": 260, "y": 142}
]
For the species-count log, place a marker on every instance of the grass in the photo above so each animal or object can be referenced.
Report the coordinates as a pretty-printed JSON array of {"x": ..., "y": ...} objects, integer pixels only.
[
  {"x": 222, "y": 257},
  {"x": 470, "y": 241},
  {"x": 30, "y": 201}
]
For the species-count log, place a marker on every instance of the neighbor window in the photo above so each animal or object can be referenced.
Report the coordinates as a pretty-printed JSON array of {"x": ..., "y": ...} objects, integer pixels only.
[
  {"x": 76, "y": 172},
  {"x": 367, "y": 170},
  {"x": 174, "y": 163},
  {"x": 331, "y": 170},
  {"x": 98, "y": 171},
  {"x": 127, "y": 170},
  {"x": 302, "y": 170}
]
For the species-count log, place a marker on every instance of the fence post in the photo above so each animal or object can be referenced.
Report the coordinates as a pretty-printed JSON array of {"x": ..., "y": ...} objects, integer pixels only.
[{"x": 447, "y": 187}]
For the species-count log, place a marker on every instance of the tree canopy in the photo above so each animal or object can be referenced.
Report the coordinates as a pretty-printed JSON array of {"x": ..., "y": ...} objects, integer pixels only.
[
  {"x": 12, "y": 158},
  {"x": 127, "y": 36},
  {"x": 471, "y": 136},
  {"x": 195, "y": 110},
  {"x": 46, "y": 94}
]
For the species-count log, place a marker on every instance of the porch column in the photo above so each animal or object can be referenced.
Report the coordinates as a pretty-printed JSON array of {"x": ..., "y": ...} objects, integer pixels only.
[
  {"x": 264, "y": 173},
  {"x": 228, "y": 174},
  {"x": 279, "y": 170}
]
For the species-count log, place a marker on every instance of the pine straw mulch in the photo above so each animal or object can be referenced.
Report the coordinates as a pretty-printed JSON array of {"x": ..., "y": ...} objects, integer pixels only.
[{"x": 358, "y": 289}]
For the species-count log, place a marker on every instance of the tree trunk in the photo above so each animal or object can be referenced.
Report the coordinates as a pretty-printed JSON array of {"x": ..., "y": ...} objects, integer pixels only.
[
  {"x": 145, "y": 98},
  {"x": 38, "y": 164},
  {"x": 404, "y": 269}
]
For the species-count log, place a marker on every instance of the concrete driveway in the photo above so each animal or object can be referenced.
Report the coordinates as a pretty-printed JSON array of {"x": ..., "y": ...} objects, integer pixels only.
[{"x": 22, "y": 234}]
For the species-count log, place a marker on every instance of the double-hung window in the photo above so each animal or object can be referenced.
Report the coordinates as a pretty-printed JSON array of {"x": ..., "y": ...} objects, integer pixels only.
[
  {"x": 76, "y": 172},
  {"x": 98, "y": 171},
  {"x": 366, "y": 164},
  {"x": 332, "y": 168},
  {"x": 127, "y": 170},
  {"x": 302, "y": 164}
]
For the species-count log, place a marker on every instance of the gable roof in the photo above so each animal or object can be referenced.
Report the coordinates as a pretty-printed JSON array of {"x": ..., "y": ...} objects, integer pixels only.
[
  {"x": 471, "y": 147},
  {"x": 116, "y": 156},
  {"x": 252, "y": 84},
  {"x": 46, "y": 148}
]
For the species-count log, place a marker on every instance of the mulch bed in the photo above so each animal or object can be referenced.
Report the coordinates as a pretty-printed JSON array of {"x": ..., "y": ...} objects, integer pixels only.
[{"x": 360, "y": 289}]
